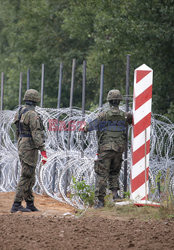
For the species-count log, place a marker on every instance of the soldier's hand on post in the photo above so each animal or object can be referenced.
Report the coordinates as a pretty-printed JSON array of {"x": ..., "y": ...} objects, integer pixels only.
[{"x": 129, "y": 118}]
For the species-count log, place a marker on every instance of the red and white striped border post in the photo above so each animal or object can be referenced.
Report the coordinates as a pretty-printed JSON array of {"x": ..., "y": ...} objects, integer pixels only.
[{"x": 141, "y": 132}]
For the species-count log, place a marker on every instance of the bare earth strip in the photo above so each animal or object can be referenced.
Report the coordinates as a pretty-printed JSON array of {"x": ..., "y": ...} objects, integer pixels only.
[{"x": 52, "y": 229}]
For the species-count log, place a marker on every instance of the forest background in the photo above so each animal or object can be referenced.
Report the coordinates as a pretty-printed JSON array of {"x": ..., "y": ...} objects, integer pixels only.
[{"x": 33, "y": 32}]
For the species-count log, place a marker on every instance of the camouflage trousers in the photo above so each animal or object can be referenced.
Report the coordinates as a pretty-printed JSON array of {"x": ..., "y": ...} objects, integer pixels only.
[
  {"x": 107, "y": 169},
  {"x": 26, "y": 183}
]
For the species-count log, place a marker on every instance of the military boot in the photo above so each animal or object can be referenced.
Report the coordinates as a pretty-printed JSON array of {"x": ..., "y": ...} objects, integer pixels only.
[
  {"x": 18, "y": 207},
  {"x": 116, "y": 197},
  {"x": 98, "y": 204},
  {"x": 30, "y": 205}
]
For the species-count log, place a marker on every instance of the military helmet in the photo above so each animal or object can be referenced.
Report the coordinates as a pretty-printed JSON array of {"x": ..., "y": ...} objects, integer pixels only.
[
  {"x": 114, "y": 94},
  {"x": 32, "y": 95}
]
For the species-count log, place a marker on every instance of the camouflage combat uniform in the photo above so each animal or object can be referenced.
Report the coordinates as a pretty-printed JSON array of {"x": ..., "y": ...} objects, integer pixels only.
[
  {"x": 111, "y": 132},
  {"x": 30, "y": 133},
  {"x": 111, "y": 144}
]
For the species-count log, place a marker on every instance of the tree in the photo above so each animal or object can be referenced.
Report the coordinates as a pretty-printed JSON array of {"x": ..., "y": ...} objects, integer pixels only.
[{"x": 101, "y": 32}]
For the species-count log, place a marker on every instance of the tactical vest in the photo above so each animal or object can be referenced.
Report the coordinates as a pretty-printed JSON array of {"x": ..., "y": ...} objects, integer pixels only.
[
  {"x": 113, "y": 127},
  {"x": 24, "y": 130}
]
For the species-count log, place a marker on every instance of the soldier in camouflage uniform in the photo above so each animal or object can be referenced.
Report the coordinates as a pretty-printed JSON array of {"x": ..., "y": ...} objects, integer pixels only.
[
  {"x": 30, "y": 134},
  {"x": 111, "y": 132}
]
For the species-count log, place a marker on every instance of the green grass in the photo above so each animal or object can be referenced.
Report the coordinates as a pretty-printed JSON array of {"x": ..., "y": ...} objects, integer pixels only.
[{"x": 133, "y": 212}]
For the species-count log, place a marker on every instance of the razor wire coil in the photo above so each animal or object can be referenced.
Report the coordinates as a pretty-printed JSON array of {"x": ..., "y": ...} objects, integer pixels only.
[{"x": 67, "y": 157}]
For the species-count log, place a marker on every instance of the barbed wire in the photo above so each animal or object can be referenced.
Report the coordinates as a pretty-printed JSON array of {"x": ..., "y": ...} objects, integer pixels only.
[{"x": 68, "y": 157}]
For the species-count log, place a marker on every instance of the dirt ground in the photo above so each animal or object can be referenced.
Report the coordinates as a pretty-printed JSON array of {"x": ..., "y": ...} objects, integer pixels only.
[{"x": 59, "y": 226}]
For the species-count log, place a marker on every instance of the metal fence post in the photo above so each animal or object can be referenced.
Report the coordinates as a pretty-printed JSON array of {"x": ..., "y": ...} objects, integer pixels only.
[
  {"x": 71, "y": 98},
  {"x": 2, "y": 99},
  {"x": 57, "y": 132},
  {"x": 101, "y": 86},
  {"x": 127, "y": 109},
  {"x": 28, "y": 79},
  {"x": 1, "y": 107},
  {"x": 83, "y": 105},
  {"x": 42, "y": 86},
  {"x": 20, "y": 89},
  {"x": 60, "y": 85},
  {"x": 2, "y": 91},
  {"x": 67, "y": 177}
]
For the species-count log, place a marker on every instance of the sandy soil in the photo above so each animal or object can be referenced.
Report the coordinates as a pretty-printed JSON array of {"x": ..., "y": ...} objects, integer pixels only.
[{"x": 56, "y": 226}]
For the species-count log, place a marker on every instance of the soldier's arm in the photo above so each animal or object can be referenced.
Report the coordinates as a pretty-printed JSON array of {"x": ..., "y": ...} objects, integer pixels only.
[
  {"x": 94, "y": 125},
  {"x": 16, "y": 122},
  {"x": 37, "y": 130}
]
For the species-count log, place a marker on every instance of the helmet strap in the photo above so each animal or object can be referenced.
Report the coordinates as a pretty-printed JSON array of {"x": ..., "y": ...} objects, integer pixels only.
[{"x": 30, "y": 103}]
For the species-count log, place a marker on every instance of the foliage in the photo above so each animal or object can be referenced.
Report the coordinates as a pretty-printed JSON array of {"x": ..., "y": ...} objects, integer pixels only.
[
  {"x": 127, "y": 194},
  {"x": 170, "y": 112},
  {"x": 84, "y": 191},
  {"x": 102, "y": 32},
  {"x": 164, "y": 189},
  {"x": 158, "y": 185}
]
